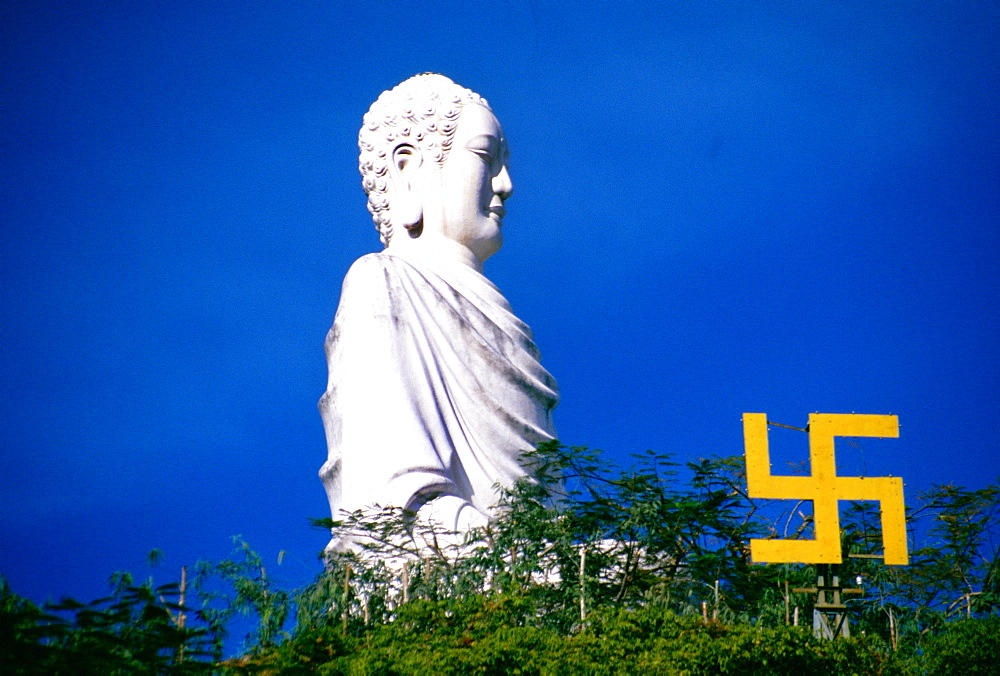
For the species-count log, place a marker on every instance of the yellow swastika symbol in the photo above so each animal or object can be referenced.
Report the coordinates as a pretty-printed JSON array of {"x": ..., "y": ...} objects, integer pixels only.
[{"x": 825, "y": 488}]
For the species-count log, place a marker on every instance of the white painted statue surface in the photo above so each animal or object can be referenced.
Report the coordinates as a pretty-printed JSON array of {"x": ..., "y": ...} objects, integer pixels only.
[{"x": 435, "y": 387}]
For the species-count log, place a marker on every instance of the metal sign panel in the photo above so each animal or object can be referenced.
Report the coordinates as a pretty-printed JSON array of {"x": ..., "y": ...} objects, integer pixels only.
[{"x": 824, "y": 488}]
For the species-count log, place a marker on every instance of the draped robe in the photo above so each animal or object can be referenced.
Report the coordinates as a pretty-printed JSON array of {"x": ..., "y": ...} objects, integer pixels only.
[{"x": 435, "y": 387}]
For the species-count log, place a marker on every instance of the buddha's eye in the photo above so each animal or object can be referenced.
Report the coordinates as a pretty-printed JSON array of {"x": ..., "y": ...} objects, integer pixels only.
[
  {"x": 491, "y": 160},
  {"x": 488, "y": 147}
]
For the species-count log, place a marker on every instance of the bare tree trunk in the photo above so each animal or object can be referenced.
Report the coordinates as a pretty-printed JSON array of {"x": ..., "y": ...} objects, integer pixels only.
[{"x": 181, "y": 617}]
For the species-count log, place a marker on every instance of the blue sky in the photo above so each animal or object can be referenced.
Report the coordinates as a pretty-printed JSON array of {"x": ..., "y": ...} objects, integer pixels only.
[{"x": 719, "y": 207}]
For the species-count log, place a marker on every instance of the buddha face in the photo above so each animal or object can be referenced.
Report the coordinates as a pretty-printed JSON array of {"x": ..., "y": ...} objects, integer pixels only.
[{"x": 474, "y": 183}]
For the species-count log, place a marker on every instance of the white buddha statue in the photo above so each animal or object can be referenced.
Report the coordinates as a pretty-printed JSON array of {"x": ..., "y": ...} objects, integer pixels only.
[{"x": 435, "y": 387}]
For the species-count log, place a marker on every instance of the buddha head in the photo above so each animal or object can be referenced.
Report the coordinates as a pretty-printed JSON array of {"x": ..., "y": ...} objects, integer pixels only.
[{"x": 434, "y": 165}]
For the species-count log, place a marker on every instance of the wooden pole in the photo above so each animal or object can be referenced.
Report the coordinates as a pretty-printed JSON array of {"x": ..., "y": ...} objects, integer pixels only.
[
  {"x": 347, "y": 589},
  {"x": 787, "y": 603},
  {"x": 406, "y": 581}
]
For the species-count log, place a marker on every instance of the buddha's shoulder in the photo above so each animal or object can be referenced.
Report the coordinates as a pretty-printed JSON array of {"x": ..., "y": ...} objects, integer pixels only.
[
  {"x": 370, "y": 266},
  {"x": 381, "y": 264},
  {"x": 369, "y": 262},
  {"x": 376, "y": 271}
]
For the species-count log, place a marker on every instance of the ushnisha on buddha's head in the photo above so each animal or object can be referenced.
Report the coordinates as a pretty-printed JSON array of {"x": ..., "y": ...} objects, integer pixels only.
[{"x": 434, "y": 166}]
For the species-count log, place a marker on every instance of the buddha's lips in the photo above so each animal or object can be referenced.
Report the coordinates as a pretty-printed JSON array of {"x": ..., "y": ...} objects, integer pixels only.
[{"x": 498, "y": 211}]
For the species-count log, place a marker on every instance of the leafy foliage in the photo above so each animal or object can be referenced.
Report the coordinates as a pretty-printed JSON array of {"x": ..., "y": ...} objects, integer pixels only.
[
  {"x": 239, "y": 586},
  {"x": 586, "y": 569},
  {"x": 499, "y": 634},
  {"x": 965, "y": 647},
  {"x": 133, "y": 631}
]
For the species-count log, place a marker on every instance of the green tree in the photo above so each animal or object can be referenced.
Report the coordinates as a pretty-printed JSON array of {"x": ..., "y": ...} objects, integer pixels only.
[{"x": 132, "y": 631}]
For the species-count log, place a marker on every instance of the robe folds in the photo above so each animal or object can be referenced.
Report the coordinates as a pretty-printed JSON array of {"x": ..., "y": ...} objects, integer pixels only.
[{"x": 435, "y": 387}]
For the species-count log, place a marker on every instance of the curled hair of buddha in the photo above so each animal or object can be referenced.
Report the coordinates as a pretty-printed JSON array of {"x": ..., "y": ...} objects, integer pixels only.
[{"x": 422, "y": 111}]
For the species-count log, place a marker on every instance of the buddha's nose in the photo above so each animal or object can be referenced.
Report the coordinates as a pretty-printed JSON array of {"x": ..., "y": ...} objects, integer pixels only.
[{"x": 502, "y": 185}]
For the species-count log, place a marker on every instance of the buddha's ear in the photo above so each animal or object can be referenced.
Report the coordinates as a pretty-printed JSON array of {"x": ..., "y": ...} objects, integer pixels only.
[
  {"x": 405, "y": 206},
  {"x": 406, "y": 160}
]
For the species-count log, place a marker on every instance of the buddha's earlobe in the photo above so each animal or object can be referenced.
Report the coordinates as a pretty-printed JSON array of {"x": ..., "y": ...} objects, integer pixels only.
[{"x": 408, "y": 213}]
